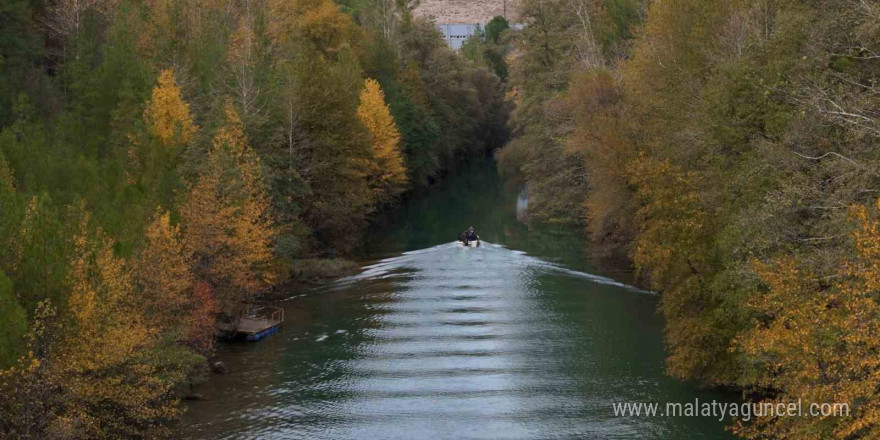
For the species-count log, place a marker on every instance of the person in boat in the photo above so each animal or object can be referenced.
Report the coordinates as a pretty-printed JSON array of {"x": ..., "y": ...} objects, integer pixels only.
[{"x": 468, "y": 236}]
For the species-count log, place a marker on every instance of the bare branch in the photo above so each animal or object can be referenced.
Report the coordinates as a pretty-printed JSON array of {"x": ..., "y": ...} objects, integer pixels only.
[{"x": 830, "y": 153}]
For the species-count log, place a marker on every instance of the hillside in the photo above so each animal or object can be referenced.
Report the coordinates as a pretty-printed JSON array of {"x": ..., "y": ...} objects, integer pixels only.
[{"x": 466, "y": 11}]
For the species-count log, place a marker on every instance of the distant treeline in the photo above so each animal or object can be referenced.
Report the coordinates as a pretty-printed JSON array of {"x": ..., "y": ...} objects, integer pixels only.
[
  {"x": 731, "y": 151},
  {"x": 164, "y": 162}
]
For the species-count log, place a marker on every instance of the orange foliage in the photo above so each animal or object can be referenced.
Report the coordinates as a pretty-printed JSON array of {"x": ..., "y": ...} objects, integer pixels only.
[
  {"x": 201, "y": 328},
  {"x": 599, "y": 136},
  {"x": 820, "y": 344},
  {"x": 228, "y": 224}
]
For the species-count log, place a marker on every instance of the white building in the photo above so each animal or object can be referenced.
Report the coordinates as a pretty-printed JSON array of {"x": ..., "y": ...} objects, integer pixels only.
[{"x": 456, "y": 33}]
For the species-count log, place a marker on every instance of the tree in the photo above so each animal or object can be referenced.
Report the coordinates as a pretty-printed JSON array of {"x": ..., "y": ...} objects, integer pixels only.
[
  {"x": 40, "y": 253},
  {"x": 164, "y": 273},
  {"x": 31, "y": 388},
  {"x": 14, "y": 320},
  {"x": 66, "y": 19},
  {"x": 6, "y": 178},
  {"x": 387, "y": 175},
  {"x": 496, "y": 26},
  {"x": 324, "y": 27},
  {"x": 229, "y": 229},
  {"x": 819, "y": 344},
  {"x": 595, "y": 101},
  {"x": 167, "y": 115},
  {"x": 241, "y": 57},
  {"x": 93, "y": 375},
  {"x": 201, "y": 324},
  {"x": 474, "y": 48}
]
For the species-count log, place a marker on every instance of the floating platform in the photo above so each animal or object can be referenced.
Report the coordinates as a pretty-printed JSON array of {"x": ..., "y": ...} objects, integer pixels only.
[{"x": 257, "y": 323}]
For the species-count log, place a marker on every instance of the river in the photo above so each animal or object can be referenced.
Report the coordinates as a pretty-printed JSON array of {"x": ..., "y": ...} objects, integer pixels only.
[{"x": 519, "y": 339}]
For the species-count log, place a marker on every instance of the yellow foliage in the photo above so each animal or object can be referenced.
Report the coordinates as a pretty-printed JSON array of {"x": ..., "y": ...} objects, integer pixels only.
[
  {"x": 669, "y": 221},
  {"x": 167, "y": 115},
  {"x": 164, "y": 273},
  {"x": 318, "y": 22},
  {"x": 820, "y": 344},
  {"x": 325, "y": 26},
  {"x": 600, "y": 137},
  {"x": 228, "y": 224},
  {"x": 100, "y": 360},
  {"x": 386, "y": 171},
  {"x": 101, "y": 304}
]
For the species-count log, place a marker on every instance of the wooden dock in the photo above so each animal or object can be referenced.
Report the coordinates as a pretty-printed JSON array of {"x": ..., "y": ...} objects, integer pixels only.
[{"x": 257, "y": 323}]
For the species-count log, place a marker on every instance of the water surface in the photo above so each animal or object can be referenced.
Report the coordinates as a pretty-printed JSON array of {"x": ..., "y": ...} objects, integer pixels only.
[{"x": 518, "y": 339}]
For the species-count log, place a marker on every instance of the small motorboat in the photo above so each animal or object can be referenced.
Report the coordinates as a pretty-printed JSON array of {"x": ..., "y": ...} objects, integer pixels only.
[{"x": 469, "y": 238}]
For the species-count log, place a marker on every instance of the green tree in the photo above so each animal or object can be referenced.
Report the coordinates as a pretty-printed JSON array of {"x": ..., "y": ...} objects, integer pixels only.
[
  {"x": 494, "y": 29},
  {"x": 14, "y": 321}
]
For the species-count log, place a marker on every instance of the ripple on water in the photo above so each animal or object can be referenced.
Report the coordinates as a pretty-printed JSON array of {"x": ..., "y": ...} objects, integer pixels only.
[{"x": 447, "y": 343}]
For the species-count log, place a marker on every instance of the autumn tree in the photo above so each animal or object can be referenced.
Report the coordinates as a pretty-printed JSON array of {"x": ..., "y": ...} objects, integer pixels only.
[
  {"x": 387, "y": 175},
  {"x": 64, "y": 384},
  {"x": 229, "y": 228},
  {"x": 164, "y": 273},
  {"x": 819, "y": 344},
  {"x": 595, "y": 101},
  {"x": 103, "y": 307},
  {"x": 201, "y": 322},
  {"x": 185, "y": 311},
  {"x": 167, "y": 115}
]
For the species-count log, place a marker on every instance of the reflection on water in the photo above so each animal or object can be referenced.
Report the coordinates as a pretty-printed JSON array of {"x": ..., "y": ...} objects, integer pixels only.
[{"x": 447, "y": 342}]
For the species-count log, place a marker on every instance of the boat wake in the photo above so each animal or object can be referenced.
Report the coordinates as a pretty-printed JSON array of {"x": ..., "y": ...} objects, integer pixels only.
[{"x": 489, "y": 260}]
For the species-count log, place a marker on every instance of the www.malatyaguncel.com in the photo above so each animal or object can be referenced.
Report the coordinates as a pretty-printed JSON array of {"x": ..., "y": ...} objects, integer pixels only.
[{"x": 721, "y": 410}]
